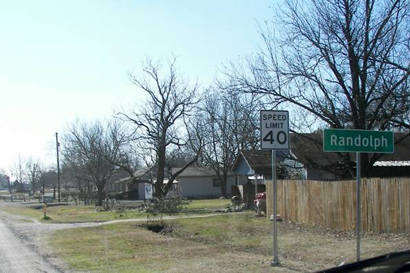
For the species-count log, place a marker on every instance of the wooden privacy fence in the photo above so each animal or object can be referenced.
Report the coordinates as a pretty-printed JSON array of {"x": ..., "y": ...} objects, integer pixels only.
[{"x": 385, "y": 203}]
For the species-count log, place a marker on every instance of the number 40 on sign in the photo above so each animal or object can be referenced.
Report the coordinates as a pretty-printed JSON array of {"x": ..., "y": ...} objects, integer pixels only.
[{"x": 274, "y": 129}]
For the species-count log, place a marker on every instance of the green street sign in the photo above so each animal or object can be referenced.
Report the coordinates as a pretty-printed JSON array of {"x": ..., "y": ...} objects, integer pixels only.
[{"x": 341, "y": 140}]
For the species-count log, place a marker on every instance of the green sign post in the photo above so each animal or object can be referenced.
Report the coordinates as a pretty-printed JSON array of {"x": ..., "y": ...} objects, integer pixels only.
[{"x": 358, "y": 141}]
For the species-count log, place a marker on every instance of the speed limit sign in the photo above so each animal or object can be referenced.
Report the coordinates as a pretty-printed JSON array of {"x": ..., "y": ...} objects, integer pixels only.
[
  {"x": 275, "y": 129},
  {"x": 274, "y": 136}
]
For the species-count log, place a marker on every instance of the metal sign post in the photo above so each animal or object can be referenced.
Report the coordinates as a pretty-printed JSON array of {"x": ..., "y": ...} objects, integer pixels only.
[
  {"x": 274, "y": 136},
  {"x": 358, "y": 207},
  {"x": 275, "y": 260}
]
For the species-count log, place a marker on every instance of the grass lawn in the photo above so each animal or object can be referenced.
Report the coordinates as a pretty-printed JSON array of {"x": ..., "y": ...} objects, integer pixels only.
[
  {"x": 226, "y": 243},
  {"x": 24, "y": 211},
  {"x": 64, "y": 214},
  {"x": 72, "y": 214},
  {"x": 206, "y": 205},
  {"x": 75, "y": 214}
]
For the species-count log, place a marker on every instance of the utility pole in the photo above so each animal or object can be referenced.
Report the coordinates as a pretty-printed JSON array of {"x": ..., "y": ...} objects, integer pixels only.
[{"x": 58, "y": 168}]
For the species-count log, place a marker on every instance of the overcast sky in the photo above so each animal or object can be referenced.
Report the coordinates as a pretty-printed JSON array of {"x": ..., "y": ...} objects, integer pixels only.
[{"x": 62, "y": 60}]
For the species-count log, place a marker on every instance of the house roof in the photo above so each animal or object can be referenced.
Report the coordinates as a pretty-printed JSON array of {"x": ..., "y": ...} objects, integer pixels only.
[
  {"x": 382, "y": 163},
  {"x": 308, "y": 149},
  {"x": 142, "y": 174},
  {"x": 118, "y": 174},
  {"x": 166, "y": 180},
  {"x": 195, "y": 172},
  {"x": 260, "y": 161}
]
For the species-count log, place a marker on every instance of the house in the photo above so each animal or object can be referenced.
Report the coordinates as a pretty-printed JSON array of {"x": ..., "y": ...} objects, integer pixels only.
[
  {"x": 197, "y": 182},
  {"x": 112, "y": 186},
  {"x": 21, "y": 187},
  {"x": 141, "y": 185},
  {"x": 319, "y": 165},
  {"x": 257, "y": 165},
  {"x": 134, "y": 188}
]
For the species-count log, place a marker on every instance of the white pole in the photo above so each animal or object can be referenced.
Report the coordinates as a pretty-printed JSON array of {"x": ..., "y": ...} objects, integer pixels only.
[
  {"x": 358, "y": 206},
  {"x": 275, "y": 260},
  {"x": 256, "y": 186}
]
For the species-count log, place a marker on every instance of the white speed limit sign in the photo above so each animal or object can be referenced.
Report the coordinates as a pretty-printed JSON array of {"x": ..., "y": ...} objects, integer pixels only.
[{"x": 275, "y": 129}]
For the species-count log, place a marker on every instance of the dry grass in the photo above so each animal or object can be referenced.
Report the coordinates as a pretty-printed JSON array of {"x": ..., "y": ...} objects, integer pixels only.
[
  {"x": 77, "y": 214},
  {"x": 234, "y": 243},
  {"x": 71, "y": 214}
]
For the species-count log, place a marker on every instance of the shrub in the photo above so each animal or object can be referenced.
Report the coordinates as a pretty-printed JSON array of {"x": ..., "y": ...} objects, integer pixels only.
[
  {"x": 167, "y": 205},
  {"x": 161, "y": 206}
]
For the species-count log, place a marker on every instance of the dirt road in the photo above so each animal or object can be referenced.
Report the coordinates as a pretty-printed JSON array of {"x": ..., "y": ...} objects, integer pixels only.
[{"x": 17, "y": 256}]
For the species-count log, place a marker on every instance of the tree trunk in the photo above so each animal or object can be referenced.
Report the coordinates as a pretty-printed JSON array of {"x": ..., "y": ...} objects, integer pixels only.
[
  {"x": 33, "y": 188},
  {"x": 100, "y": 195},
  {"x": 89, "y": 193},
  {"x": 161, "y": 170},
  {"x": 224, "y": 182}
]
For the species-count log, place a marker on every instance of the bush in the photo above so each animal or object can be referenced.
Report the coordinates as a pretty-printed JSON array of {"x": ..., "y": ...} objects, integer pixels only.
[
  {"x": 167, "y": 205},
  {"x": 161, "y": 206}
]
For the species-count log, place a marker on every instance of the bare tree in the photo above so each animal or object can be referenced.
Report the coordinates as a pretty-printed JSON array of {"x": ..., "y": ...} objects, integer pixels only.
[
  {"x": 231, "y": 127},
  {"x": 159, "y": 124},
  {"x": 177, "y": 158},
  {"x": 75, "y": 175},
  {"x": 18, "y": 172},
  {"x": 48, "y": 179},
  {"x": 33, "y": 173},
  {"x": 129, "y": 154},
  {"x": 344, "y": 63},
  {"x": 93, "y": 147}
]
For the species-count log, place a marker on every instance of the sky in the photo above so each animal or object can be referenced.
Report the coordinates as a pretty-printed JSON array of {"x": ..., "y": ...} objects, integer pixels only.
[{"x": 61, "y": 61}]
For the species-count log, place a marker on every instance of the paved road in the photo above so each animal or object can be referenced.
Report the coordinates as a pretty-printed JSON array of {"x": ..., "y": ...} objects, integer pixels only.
[{"x": 16, "y": 256}]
